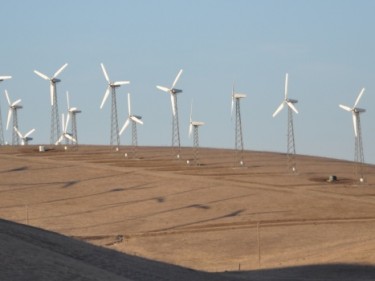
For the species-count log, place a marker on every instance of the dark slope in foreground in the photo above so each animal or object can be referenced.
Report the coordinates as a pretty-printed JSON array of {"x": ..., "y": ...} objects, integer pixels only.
[{"x": 28, "y": 253}]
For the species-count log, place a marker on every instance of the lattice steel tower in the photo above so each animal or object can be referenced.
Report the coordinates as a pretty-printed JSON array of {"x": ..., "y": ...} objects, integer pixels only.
[
  {"x": 176, "y": 145},
  {"x": 359, "y": 157},
  {"x": 239, "y": 147},
  {"x": 111, "y": 89},
  {"x": 55, "y": 121},
  {"x": 291, "y": 147},
  {"x": 194, "y": 128}
]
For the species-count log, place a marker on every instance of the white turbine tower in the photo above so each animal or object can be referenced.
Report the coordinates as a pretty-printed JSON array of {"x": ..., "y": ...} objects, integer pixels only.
[
  {"x": 358, "y": 150},
  {"x": 238, "y": 152},
  {"x": 193, "y": 128},
  {"x": 111, "y": 89},
  {"x": 64, "y": 134},
  {"x": 175, "y": 123},
  {"x": 73, "y": 111},
  {"x": 133, "y": 119},
  {"x": 291, "y": 147},
  {"x": 24, "y": 138},
  {"x": 55, "y": 125},
  {"x": 13, "y": 114},
  {"x": 2, "y": 142}
]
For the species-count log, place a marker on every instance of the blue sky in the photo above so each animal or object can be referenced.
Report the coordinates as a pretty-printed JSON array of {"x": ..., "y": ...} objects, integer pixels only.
[{"x": 325, "y": 46}]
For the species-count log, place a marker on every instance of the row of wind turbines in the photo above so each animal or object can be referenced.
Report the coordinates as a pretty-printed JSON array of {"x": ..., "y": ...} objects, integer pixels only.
[{"x": 57, "y": 135}]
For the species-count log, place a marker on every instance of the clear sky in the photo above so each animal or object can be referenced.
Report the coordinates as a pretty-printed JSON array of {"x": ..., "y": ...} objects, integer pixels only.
[{"x": 327, "y": 47}]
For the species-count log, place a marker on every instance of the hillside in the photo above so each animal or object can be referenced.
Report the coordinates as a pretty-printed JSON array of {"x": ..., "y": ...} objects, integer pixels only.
[{"x": 211, "y": 217}]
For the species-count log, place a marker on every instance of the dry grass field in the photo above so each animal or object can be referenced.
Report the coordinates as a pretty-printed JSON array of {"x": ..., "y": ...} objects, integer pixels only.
[{"x": 211, "y": 217}]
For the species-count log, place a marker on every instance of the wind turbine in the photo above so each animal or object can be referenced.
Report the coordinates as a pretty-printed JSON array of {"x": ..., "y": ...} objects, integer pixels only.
[
  {"x": 236, "y": 97},
  {"x": 175, "y": 123},
  {"x": 55, "y": 125},
  {"x": 13, "y": 112},
  {"x": 111, "y": 89},
  {"x": 2, "y": 142},
  {"x": 133, "y": 119},
  {"x": 291, "y": 147},
  {"x": 24, "y": 138},
  {"x": 358, "y": 148},
  {"x": 193, "y": 128},
  {"x": 73, "y": 111},
  {"x": 64, "y": 134}
]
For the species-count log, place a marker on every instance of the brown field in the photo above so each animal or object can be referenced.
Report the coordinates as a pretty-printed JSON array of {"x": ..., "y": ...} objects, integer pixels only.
[{"x": 210, "y": 217}]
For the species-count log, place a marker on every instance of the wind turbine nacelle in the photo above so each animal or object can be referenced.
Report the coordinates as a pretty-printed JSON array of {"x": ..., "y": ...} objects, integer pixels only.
[
  {"x": 292, "y": 101},
  {"x": 359, "y": 110},
  {"x": 55, "y": 80},
  {"x": 176, "y": 91},
  {"x": 17, "y": 106},
  {"x": 138, "y": 117},
  {"x": 28, "y": 139},
  {"x": 197, "y": 123},
  {"x": 239, "y": 96}
]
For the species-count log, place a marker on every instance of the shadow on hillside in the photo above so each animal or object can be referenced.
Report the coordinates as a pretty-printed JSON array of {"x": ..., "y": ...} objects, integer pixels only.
[
  {"x": 326, "y": 272},
  {"x": 29, "y": 253}
]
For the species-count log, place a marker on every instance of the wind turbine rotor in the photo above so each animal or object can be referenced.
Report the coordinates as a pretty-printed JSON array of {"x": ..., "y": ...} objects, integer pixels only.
[
  {"x": 105, "y": 73},
  {"x": 281, "y": 106},
  {"x": 347, "y": 108},
  {"x": 2, "y": 78},
  {"x": 119, "y": 83},
  {"x": 291, "y": 105},
  {"x": 177, "y": 77},
  {"x": 127, "y": 122},
  {"x": 59, "y": 71},
  {"x": 29, "y": 133},
  {"x": 173, "y": 104},
  {"x": 359, "y": 97},
  {"x": 355, "y": 123},
  {"x": 18, "y": 132},
  {"x": 41, "y": 75},
  {"x": 106, "y": 94},
  {"x": 286, "y": 86},
  {"x": 164, "y": 89}
]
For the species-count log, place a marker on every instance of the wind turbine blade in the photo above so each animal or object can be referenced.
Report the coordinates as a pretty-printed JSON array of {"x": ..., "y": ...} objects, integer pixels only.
[
  {"x": 41, "y": 75},
  {"x": 129, "y": 106},
  {"x": 105, "y": 73},
  {"x": 177, "y": 77},
  {"x": 286, "y": 86},
  {"x": 135, "y": 119},
  {"x": 52, "y": 92},
  {"x": 59, "y": 140},
  {"x": 67, "y": 99},
  {"x": 119, "y": 83},
  {"x": 165, "y": 89},
  {"x": 16, "y": 102},
  {"x": 281, "y": 106},
  {"x": 173, "y": 104},
  {"x": 359, "y": 97},
  {"x": 7, "y": 97},
  {"x": 125, "y": 126},
  {"x": 66, "y": 123},
  {"x": 347, "y": 108},
  {"x": 18, "y": 132},
  {"x": 59, "y": 71},
  {"x": 28, "y": 133},
  {"x": 105, "y": 97},
  {"x": 70, "y": 137},
  {"x": 5, "y": 78},
  {"x": 9, "y": 117},
  {"x": 190, "y": 129},
  {"x": 291, "y": 105},
  {"x": 355, "y": 123}
]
